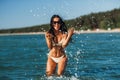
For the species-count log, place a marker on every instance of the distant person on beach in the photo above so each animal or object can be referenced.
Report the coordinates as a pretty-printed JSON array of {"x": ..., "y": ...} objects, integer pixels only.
[{"x": 57, "y": 38}]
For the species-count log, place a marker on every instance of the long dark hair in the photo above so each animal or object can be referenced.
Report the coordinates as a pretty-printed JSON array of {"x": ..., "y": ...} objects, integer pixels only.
[{"x": 63, "y": 27}]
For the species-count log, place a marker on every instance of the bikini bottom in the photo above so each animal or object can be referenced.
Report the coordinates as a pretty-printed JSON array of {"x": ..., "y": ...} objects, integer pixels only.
[{"x": 56, "y": 60}]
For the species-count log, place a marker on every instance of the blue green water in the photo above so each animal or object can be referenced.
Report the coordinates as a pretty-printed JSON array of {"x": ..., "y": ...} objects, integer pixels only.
[{"x": 90, "y": 57}]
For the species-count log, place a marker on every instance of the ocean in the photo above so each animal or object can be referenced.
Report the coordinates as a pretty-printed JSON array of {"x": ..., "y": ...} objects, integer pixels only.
[{"x": 91, "y": 56}]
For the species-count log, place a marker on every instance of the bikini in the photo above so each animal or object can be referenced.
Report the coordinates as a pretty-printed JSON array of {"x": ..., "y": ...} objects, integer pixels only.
[{"x": 56, "y": 60}]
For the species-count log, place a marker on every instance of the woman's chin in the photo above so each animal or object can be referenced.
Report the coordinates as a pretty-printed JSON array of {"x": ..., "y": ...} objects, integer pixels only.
[{"x": 56, "y": 29}]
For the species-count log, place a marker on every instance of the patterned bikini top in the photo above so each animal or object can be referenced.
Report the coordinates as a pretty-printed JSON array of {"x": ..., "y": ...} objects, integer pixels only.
[{"x": 57, "y": 44}]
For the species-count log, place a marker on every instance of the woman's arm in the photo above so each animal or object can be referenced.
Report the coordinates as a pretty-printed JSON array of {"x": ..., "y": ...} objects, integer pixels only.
[
  {"x": 67, "y": 39},
  {"x": 48, "y": 37}
]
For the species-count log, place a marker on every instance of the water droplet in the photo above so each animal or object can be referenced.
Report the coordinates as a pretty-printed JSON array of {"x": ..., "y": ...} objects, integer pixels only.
[
  {"x": 31, "y": 10},
  {"x": 78, "y": 52},
  {"x": 76, "y": 75}
]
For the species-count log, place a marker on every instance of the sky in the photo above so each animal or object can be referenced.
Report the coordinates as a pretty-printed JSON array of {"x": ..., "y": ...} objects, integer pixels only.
[{"x": 26, "y": 13}]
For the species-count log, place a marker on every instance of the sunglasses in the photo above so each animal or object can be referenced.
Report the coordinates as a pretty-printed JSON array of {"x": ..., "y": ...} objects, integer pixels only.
[{"x": 56, "y": 22}]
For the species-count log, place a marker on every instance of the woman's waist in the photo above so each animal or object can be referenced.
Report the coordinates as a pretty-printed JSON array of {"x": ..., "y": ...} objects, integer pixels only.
[
  {"x": 56, "y": 53},
  {"x": 58, "y": 49}
]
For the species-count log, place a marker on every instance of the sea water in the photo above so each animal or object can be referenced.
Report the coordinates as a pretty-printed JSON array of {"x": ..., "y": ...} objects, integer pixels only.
[{"x": 94, "y": 56}]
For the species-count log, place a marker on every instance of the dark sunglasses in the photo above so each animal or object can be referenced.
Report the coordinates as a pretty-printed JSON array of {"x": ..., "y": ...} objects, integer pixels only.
[{"x": 56, "y": 22}]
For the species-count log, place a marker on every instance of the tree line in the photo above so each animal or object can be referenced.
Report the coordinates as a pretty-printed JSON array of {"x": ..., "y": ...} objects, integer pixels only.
[{"x": 100, "y": 20}]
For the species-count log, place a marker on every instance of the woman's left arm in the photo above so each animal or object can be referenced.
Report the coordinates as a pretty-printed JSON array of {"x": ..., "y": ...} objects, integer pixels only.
[{"x": 67, "y": 37}]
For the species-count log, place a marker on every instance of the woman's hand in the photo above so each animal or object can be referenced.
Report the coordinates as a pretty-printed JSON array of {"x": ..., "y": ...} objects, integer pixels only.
[
  {"x": 49, "y": 36},
  {"x": 71, "y": 31}
]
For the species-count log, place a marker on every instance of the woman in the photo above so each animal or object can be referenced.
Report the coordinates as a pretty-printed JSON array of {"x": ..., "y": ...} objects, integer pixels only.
[{"x": 57, "y": 38}]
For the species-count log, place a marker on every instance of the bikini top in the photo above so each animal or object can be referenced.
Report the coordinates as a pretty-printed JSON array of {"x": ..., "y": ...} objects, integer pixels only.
[{"x": 57, "y": 44}]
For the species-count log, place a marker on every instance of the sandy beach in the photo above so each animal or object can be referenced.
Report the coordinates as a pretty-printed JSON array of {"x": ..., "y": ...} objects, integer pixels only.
[
  {"x": 76, "y": 32},
  {"x": 30, "y": 33},
  {"x": 99, "y": 31}
]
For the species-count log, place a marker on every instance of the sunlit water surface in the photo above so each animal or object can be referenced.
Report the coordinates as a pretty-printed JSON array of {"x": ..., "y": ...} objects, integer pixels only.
[{"x": 90, "y": 57}]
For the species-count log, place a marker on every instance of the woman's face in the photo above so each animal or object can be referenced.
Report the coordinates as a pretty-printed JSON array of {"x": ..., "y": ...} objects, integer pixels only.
[{"x": 56, "y": 23}]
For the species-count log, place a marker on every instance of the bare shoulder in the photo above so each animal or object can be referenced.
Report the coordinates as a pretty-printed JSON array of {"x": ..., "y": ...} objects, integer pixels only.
[{"x": 65, "y": 35}]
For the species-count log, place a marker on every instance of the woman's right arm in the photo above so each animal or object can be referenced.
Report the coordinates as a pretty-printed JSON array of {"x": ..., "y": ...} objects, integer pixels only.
[{"x": 48, "y": 37}]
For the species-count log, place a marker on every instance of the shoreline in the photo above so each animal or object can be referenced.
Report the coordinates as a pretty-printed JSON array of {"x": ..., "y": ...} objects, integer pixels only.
[
  {"x": 29, "y": 33},
  {"x": 76, "y": 32},
  {"x": 99, "y": 31}
]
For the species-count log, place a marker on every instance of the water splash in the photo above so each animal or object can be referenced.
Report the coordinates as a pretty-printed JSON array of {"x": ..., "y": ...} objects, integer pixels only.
[{"x": 59, "y": 78}]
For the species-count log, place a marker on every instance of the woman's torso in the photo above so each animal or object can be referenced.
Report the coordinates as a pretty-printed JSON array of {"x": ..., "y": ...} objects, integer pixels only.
[{"x": 57, "y": 50}]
